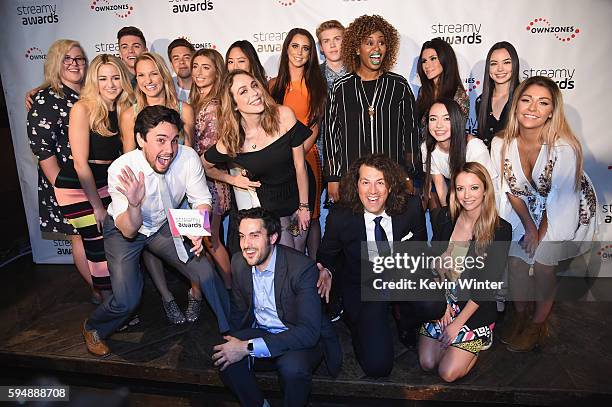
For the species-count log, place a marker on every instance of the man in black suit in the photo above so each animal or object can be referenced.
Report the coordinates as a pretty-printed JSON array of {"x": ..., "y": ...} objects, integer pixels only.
[
  {"x": 374, "y": 207},
  {"x": 276, "y": 315}
]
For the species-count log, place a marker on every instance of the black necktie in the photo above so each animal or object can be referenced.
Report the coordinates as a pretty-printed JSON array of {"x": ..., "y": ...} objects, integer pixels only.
[{"x": 382, "y": 243}]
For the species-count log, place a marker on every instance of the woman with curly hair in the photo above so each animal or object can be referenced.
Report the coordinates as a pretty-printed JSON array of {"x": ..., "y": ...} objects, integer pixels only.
[
  {"x": 439, "y": 75},
  {"x": 375, "y": 207},
  {"x": 301, "y": 86},
  {"x": 370, "y": 110}
]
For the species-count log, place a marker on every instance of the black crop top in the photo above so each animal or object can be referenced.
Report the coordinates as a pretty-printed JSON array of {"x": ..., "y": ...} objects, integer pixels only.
[{"x": 103, "y": 147}]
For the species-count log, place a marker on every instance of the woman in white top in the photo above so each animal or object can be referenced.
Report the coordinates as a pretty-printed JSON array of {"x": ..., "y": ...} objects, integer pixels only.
[
  {"x": 547, "y": 198},
  {"x": 446, "y": 147}
]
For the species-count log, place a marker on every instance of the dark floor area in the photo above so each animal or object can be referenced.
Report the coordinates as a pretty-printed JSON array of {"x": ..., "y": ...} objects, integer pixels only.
[{"x": 42, "y": 309}]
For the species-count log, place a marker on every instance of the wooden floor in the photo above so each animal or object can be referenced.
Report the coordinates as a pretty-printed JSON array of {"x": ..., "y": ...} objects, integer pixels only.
[{"x": 42, "y": 309}]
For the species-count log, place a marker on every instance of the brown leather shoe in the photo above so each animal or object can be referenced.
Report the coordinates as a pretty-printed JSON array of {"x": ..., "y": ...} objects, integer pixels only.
[{"x": 95, "y": 345}]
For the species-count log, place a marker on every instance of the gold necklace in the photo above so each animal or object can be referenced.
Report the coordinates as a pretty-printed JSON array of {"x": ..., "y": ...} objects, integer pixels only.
[{"x": 371, "y": 109}]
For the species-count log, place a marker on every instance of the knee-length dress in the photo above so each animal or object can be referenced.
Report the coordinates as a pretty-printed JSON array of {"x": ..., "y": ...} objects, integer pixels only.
[
  {"x": 571, "y": 214},
  {"x": 206, "y": 136},
  {"x": 47, "y": 127},
  {"x": 75, "y": 205}
]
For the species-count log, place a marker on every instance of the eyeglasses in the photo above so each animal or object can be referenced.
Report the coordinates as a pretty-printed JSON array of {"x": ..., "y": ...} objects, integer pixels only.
[{"x": 79, "y": 61}]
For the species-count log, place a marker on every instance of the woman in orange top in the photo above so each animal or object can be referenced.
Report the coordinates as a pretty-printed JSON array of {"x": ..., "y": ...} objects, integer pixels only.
[{"x": 301, "y": 86}]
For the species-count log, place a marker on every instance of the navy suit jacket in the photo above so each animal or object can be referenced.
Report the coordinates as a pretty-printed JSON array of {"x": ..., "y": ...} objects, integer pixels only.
[
  {"x": 297, "y": 303},
  {"x": 345, "y": 231}
]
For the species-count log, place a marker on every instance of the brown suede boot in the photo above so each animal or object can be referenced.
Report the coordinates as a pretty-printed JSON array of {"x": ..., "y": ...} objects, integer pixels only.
[
  {"x": 533, "y": 335},
  {"x": 513, "y": 327}
]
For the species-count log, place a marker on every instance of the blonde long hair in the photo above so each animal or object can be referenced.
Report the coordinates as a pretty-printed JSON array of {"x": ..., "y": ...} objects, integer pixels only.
[
  {"x": 196, "y": 99},
  {"x": 488, "y": 221},
  {"x": 555, "y": 129},
  {"x": 54, "y": 62},
  {"x": 99, "y": 121},
  {"x": 231, "y": 131},
  {"x": 170, "y": 98}
]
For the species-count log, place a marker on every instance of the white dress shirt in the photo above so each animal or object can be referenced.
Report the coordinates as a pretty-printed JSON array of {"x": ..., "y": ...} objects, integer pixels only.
[
  {"x": 387, "y": 226},
  {"x": 185, "y": 176}
]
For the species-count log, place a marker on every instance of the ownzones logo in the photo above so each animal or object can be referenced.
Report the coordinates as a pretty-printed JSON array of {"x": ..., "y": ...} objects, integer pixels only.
[
  {"x": 200, "y": 45},
  {"x": 458, "y": 33},
  {"x": 543, "y": 26},
  {"x": 38, "y": 14},
  {"x": 35, "y": 54},
  {"x": 564, "y": 77},
  {"x": 286, "y": 3},
  {"x": 121, "y": 9},
  {"x": 190, "y": 6}
]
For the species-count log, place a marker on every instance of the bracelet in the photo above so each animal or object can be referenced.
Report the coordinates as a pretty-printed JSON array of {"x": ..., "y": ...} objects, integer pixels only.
[
  {"x": 302, "y": 208},
  {"x": 303, "y": 205}
]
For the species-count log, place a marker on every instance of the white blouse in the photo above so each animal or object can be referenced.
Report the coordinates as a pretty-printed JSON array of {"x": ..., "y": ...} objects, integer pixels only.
[{"x": 475, "y": 151}]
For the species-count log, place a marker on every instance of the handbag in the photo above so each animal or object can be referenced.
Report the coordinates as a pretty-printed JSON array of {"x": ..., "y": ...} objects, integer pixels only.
[{"x": 245, "y": 198}]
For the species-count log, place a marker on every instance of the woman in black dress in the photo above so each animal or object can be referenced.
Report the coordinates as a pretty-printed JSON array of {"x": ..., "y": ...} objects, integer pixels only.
[{"x": 266, "y": 142}]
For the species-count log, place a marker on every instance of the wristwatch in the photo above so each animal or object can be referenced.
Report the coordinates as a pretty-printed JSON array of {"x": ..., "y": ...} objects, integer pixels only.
[{"x": 250, "y": 347}]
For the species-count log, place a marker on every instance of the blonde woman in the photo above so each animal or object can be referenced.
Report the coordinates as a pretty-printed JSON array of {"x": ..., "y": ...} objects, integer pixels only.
[
  {"x": 81, "y": 185},
  {"x": 208, "y": 70},
  {"x": 548, "y": 199},
  {"x": 65, "y": 69},
  {"x": 155, "y": 87},
  {"x": 452, "y": 344}
]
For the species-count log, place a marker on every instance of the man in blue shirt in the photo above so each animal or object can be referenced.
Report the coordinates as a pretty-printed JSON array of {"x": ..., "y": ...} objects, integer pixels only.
[{"x": 276, "y": 315}]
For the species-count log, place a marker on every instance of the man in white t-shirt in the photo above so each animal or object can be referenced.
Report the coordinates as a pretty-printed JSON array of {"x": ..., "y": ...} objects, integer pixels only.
[{"x": 143, "y": 184}]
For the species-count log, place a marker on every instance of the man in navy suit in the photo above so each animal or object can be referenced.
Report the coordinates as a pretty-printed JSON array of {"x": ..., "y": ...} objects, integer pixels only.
[
  {"x": 374, "y": 207},
  {"x": 276, "y": 316}
]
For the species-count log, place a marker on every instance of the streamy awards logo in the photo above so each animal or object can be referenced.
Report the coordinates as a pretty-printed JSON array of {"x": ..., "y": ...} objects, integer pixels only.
[
  {"x": 458, "y": 33},
  {"x": 190, "y": 6},
  {"x": 543, "y": 26},
  {"x": 269, "y": 41},
  {"x": 563, "y": 76},
  {"x": 35, "y": 54},
  {"x": 121, "y": 8},
  {"x": 37, "y": 14}
]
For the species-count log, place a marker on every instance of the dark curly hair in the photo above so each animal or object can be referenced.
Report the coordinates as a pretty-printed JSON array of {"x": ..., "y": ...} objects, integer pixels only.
[
  {"x": 395, "y": 177},
  {"x": 359, "y": 30}
]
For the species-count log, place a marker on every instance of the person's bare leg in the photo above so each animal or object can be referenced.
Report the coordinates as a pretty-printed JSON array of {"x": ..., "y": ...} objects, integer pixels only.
[
  {"x": 155, "y": 267},
  {"x": 219, "y": 253},
  {"x": 546, "y": 286}
]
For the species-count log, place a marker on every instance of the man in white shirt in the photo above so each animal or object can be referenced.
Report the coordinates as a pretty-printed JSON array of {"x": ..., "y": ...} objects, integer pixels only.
[{"x": 143, "y": 184}]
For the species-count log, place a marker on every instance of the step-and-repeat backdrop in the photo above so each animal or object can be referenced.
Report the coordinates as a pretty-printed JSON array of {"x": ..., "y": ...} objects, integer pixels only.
[{"x": 566, "y": 40}]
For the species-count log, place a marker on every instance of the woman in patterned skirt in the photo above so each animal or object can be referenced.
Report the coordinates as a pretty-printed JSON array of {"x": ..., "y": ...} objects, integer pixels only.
[
  {"x": 81, "y": 185},
  {"x": 473, "y": 230}
]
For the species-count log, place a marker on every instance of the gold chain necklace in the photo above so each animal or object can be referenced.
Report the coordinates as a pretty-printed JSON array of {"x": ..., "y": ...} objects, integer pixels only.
[{"x": 371, "y": 109}]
